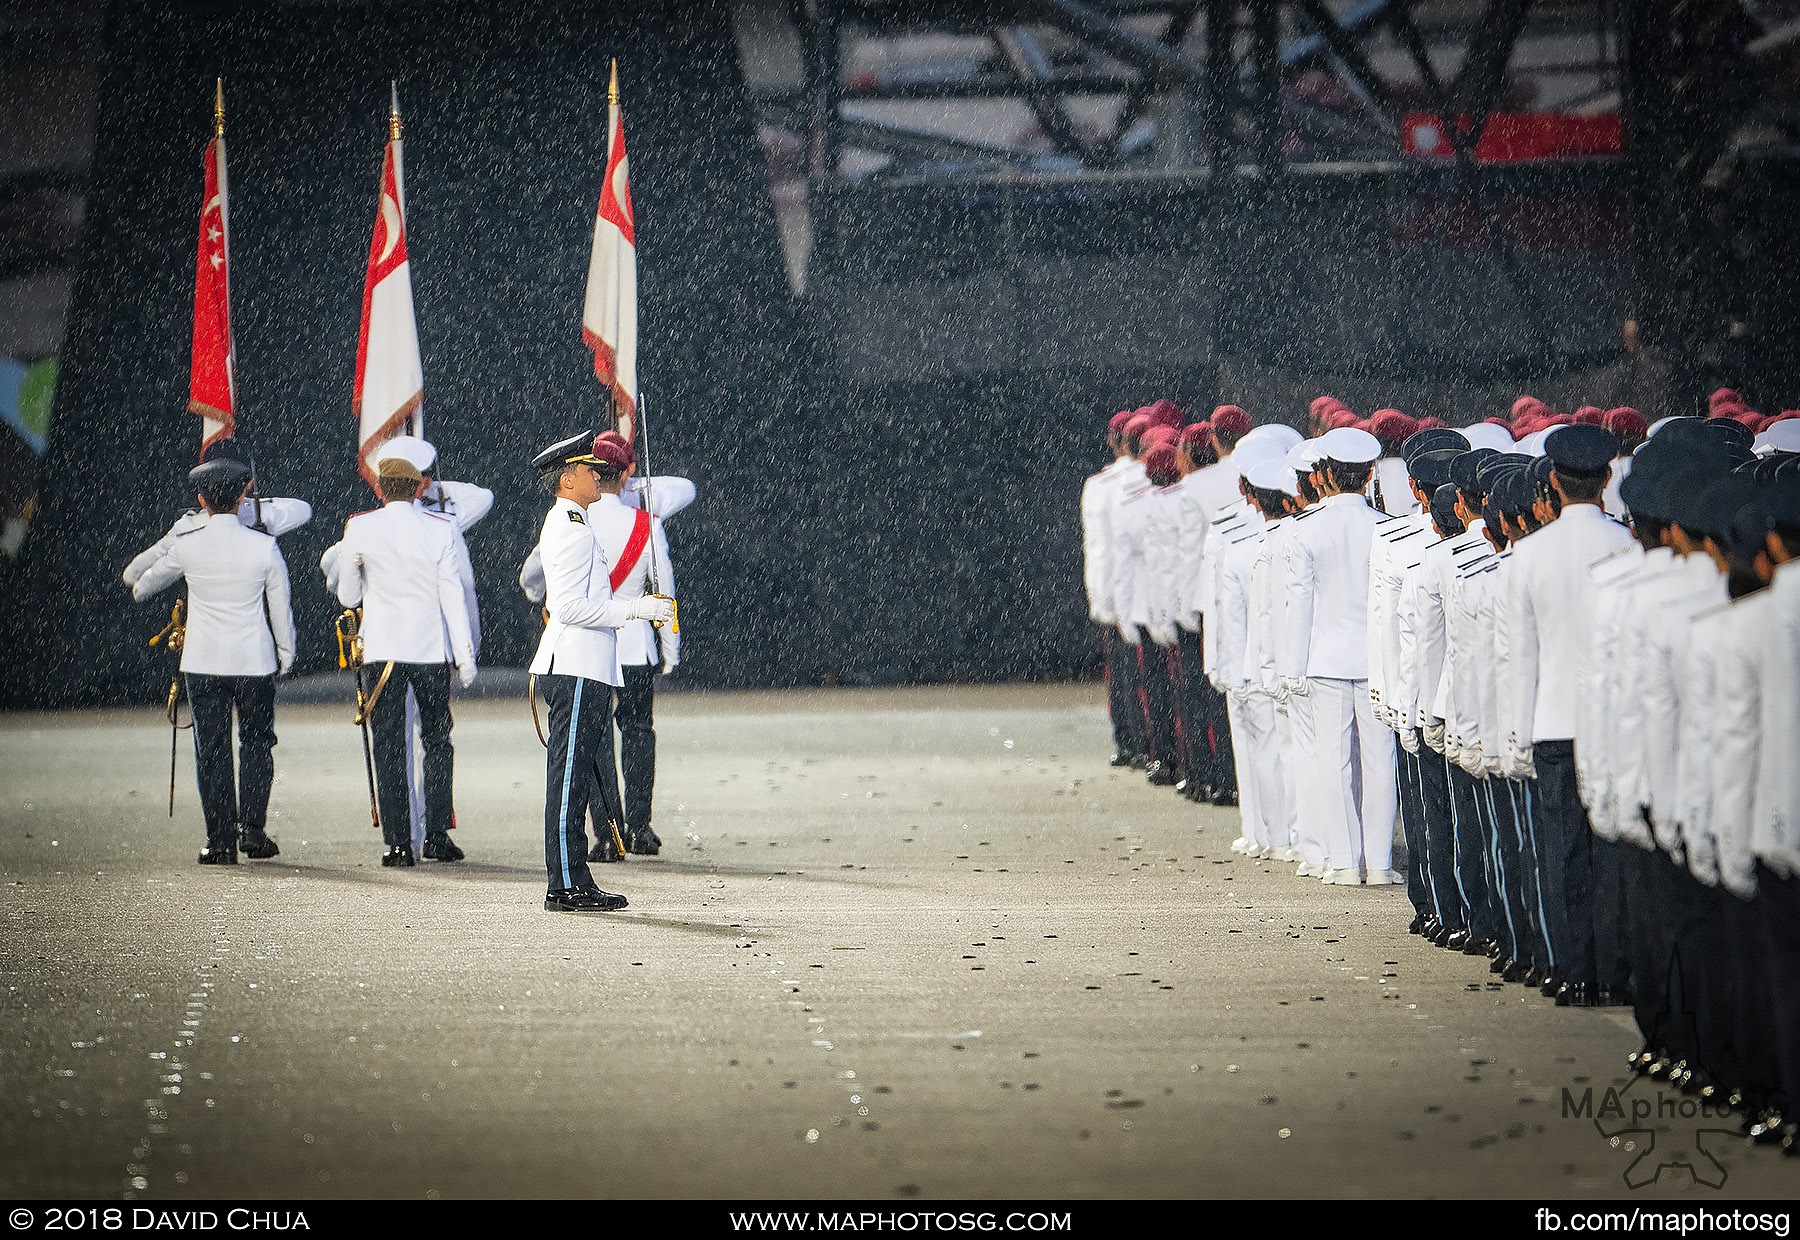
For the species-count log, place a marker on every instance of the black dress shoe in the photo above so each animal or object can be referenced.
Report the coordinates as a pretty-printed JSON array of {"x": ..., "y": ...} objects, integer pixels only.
[
  {"x": 583, "y": 900},
  {"x": 1552, "y": 984},
  {"x": 1766, "y": 1128},
  {"x": 1790, "y": 1140},
  {"x": 399, "y": 855},
  {"x": 1495, "y": 951},
  {"x": 1199, "y": 794},
  {"x": 605, "y": 850},
  {"x": 1575, "y": 994},
  {"x": 1223, "y": 796},
  {"x": 1534, "y": 977},
  {"x": 1121, "y": 758},
  {"x": 1441, "y": 935},
  {"x": 439, "y": 848},
  {"x": 1456, "y": 940},
  {"x": 1139, "y": 762},
  {"x": 642, "y": 841},
  {"x": 1660, "y": 1067},
  {"x": 1613, "y": 996},
  {"x": 1514, "y": 972},
  {"x": 1500, "y": 964},
  {"x": 1161, "y": 774},
  {"x": 219, "y": 856},
  {"x": 1639, "y": 1059},
  {"x": 1476, "y": 947},
  {"x": 1417, "y": 926},
  {"x": 255, "y": 843}
]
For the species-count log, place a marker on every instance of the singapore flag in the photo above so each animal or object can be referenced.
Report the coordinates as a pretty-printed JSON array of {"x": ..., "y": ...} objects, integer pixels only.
[{"x": 389, "y": 378}]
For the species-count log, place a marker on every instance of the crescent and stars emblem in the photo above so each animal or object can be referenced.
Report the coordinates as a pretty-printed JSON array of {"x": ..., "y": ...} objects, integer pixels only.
[{"x": 390, "y": 227}]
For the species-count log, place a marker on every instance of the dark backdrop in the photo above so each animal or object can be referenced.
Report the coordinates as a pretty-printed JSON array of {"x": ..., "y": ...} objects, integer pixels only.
[{"x": 505, "y": 109}]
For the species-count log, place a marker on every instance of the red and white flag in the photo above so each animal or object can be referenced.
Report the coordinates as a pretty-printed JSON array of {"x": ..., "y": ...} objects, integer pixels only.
[
  {"x": 211, "y": 377},
  {"x": 390, "y": 381},
  {"x": 609, "y": 315}
]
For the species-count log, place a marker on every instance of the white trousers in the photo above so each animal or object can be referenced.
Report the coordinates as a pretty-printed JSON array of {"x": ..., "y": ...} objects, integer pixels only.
[
  {"x": 1357, "y": 790},
  {"x": 1258, "y": 754},
  {"x": 1299, "y": 765}
]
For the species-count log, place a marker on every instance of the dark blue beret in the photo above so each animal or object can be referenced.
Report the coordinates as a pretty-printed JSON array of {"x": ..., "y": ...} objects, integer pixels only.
[
  {"x": 1730, "y": 429},
  {"x": 1581, "y": 449}
]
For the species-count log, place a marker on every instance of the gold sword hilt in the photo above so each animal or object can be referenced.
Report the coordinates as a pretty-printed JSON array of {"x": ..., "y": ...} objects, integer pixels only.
[{"x": 175, "y": 630}]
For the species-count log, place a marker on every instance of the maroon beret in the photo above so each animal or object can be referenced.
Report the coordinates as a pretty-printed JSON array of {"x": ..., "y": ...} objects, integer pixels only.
[
  {"x": 1160, "y": 466},
  {"x": 1136, "y": 425},
  {"x": 1431, "y": 422},
  {"x": 1115, "y": 425},
  {"x": 1230, "y": 420},
  {"x": 611, "y": 447},
  {"x": 1339, "y": 416},
  {"x": 1724, "y": 396},
  {"x": 1626, "y": 422},
  {"x": 1525, "y": 404},
  {"x": 1165, "y": 412},
  {"x": 1321, "y": 405},
  {"x": 1196, "y": 432},
  {"x": 1392, "y": 427},
  {"x": 1591, "y": 415}
]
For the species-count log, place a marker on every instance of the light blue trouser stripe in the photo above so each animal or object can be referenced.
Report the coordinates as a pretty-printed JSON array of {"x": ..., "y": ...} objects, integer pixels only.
[
  {"x": 1536, "y": 846},
  {"x": 562, "y": 822},
  {"x": 1486, "y": 789}
]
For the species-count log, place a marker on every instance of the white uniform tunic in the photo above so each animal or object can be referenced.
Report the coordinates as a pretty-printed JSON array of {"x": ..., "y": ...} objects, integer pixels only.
[
  {"x": 277, "y": 515},
  {"x": 1096, "y": 539},
  {"x": 233, "y": 574},
  {"x": 1740, "y": 753},
  {"x": 1553, "y": 607},
  {"x": 580, "y": 636},
  {"x": 1775, "y": 822},
  {"x": 400, "y": 565},
  {"x": 612, "y": 521}
]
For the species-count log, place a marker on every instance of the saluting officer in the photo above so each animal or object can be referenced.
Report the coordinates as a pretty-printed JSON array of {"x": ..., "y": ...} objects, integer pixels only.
[
  {"x": 271, "y": 515},
  {"x": 240, "y": 633},
  {"x": 400, "y": 564},
  {"x": 577, "y": 660}
]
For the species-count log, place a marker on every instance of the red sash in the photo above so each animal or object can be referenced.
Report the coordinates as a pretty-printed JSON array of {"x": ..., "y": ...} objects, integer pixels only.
[{"x": 634, "y": 548}]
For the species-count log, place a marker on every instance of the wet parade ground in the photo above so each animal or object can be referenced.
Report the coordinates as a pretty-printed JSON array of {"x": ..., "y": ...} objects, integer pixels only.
[{"x": 900, "y": 944}]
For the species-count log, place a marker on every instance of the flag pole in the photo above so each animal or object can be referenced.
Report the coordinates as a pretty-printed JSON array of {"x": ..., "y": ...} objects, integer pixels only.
[{"x": 218, "y": 107}]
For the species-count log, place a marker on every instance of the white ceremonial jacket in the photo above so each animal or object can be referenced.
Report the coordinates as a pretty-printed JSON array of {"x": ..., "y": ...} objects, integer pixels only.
[
  {"x": 1610, "y": 499},
  {"x": 1625, "y": 700},
  {"x": 1130, "y": 558},
  {"x": 276, "y": 514},
  {"x": 1553, "y": 607},
  {"x": 1397, "y": 498},
  {"x": 1697, "y": 765},
  {"x": 239, "y": 616},
  {"x": 463, "y": 502},
  {"x": 613, "y": 520},
  {"x": 1268, "y": 606},
  {"x": 580, "y": 637},
  {"x": 1397, "y": 544},
  {"x": 1190, "y": 549},
  {"x": 1739, "y": 750},
  {"x": 1229, "y": 621},
  {"x": 1775, "y": 822},
  {"x": 1327, "y": 577},
  {"x": 1596, "y": 714},
  {"x": 1661, "y": 631},
  {"x": 1222, "y": 531},
  {"x": 1096, "y": 539},
  {"x": 402, "y": 566}
]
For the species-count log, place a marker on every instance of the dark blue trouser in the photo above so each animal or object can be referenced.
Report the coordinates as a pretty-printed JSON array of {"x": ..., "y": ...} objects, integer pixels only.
[
  {"x": 1778, "y": 902},
  {"x": 1440, "y": 839},
  {"x": 580, "y": 736},
  {"x": 1473, "y": 861},
  {"x": 1412, "y": 828},
  {"x": 1122, "y": 683},
  {"x": 1531, "y": 877},
  {"x": 430, "y": 684},
  {"x": 227, "y": 801},
  {"x": 1568, "y": 856}
]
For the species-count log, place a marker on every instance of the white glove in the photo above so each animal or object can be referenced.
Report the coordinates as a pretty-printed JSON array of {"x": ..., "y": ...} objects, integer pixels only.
[
  {"x": 285, "y": 666},
  {"x": 1433, "y": 735},
  {"x": 1409, "y": 740},
  {"x": 652, "y": 607},
  {"x": 667, "y": 665},
  {"x": 1522, "y": 765},
  {"x": 465, "y": 672},
  {"x": 1293, "y": 686}
]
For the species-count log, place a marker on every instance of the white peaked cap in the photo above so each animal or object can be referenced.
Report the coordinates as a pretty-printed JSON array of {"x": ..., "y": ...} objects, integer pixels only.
[
  {"x": 1487, "y": 435},
  {"x": 1783, "y": 436},
  {"x": 1247, "y": 454},
  {"x": 1304, "y": 456},
  {"x": 1533, "y": 444},
  {"x": 410, "y": 448},
  {"x": 1272, "y": 474},
  {"x": 1662, "y": 422},
  {"x": 1280, "y": 434},
  {"x": 1350, "y": 446}
]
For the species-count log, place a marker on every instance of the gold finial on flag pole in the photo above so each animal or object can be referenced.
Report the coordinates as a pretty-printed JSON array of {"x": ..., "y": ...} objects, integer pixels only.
[
  {"x": 612, "y": 89},
  {"x": 219, "y": 108},
  {"x": 394, "y": 112}
]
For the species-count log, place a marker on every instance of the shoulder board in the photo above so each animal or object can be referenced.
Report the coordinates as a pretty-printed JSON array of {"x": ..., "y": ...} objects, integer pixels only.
[
  {"x": 1382, "y": 518},
  {"x": 1413, "y": 565},
  {"x": 1408, "y": 534},
  {"x": 1716, "y": 609},
  {"x": 1304, "y": 513},
  {"x": 1488, "y": 569},
  {"x": 576, "y": 517},
  {"x": 436, "y": 516},
  {"x": 365, "y": 512},
  {"x": 1247, "y": 537},
  {"x": 192, "y": 529}
]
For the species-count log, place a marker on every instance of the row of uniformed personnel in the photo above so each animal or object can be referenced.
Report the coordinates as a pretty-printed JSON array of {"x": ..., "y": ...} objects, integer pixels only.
[
  {"x": 406, "y": 566},
  {"x": 1584, "y": 725}
]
